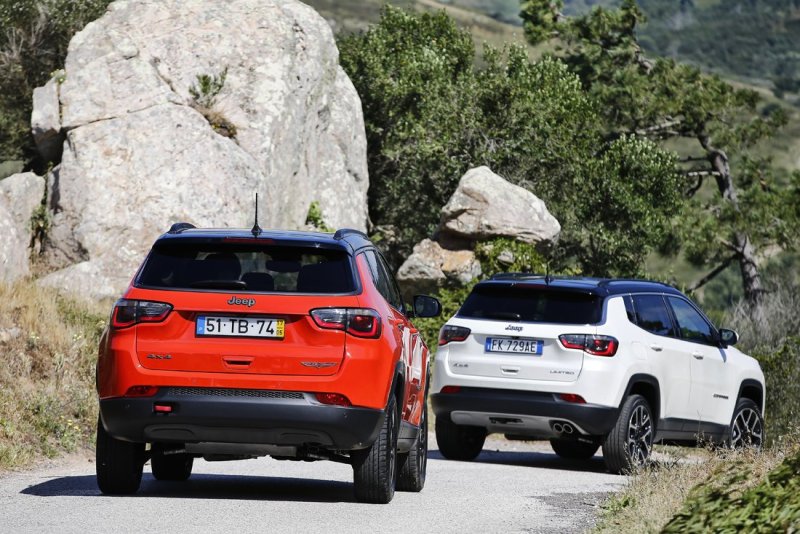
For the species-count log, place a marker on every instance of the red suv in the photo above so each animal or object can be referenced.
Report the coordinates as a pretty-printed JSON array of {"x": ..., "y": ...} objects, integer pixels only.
[{"x": 235, "y": 344}]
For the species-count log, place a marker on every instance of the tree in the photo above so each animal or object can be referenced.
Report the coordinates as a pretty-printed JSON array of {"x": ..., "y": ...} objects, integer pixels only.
[
  {"x": 660, "y": 100},
  {"x": 431, "y": 115}
]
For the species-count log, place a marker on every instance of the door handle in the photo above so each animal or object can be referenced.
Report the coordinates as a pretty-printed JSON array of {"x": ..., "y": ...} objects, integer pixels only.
[
  {"x": 698, "y": 355},
  {"x": 657, "y": 348}
]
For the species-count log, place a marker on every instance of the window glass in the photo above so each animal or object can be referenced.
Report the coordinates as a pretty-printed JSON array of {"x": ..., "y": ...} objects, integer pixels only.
[
  {"x": 691, "y": 325},
  {"x": 514, "y": 303},
  {"x": 629, "y": 309},
  {"x": 394, "y": 297},
  {"x": 247, "y": 267},
  {"x": 652, "y": 314},
  {"x": 378, "y": 276}
]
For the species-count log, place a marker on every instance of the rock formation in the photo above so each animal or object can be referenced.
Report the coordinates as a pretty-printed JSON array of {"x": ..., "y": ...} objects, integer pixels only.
[
  {"x": 182, "y": 111},
  {"x": 20, "y": 196}
]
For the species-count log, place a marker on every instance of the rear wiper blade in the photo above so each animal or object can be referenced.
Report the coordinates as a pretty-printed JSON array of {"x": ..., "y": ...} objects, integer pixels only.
[
  {"x": 511, "y": 316},
  {"x": 219, "y": 284}
]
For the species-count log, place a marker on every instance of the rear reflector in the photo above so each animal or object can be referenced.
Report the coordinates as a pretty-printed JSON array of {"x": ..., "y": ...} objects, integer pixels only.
[
  {"x": 162, "y": 408},
  {"x": 572, "y": 397},
  {"x": 335, "y": 399},
  {"x": 451, "y": 389},
  {"x": 141, "y": 391}
]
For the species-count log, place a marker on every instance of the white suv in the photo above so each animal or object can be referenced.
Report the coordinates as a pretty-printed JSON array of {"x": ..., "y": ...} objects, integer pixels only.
[{"x": 590, "y": 362}]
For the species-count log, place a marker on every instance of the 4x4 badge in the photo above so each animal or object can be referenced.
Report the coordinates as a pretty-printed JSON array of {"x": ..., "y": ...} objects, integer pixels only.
[{"x": 244, "y": 302}]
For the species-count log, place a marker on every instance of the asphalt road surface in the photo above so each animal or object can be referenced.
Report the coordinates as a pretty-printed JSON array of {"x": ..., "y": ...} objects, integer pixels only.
[{"x": 511, "y": 487}]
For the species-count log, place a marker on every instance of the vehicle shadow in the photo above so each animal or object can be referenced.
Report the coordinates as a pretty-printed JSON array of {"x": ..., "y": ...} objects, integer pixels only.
[
  {"x": 208, "y": 486},
  {"x": 541, "y": 460}
]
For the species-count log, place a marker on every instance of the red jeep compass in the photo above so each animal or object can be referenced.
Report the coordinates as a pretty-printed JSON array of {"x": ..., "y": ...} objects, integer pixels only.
[{"x": 232, "y": 344}]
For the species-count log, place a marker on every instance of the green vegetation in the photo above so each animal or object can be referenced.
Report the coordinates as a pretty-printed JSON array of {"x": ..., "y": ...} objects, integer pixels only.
[
  {"x": 47, "y": 401},
  {"x": 315, "y": 220},
  {"x": 204, "y": 93},
  {"x": 33, "y": 44}
]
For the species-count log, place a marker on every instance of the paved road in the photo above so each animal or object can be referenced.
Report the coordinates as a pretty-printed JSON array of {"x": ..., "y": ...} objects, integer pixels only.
[{"x": 511, "y": 487}]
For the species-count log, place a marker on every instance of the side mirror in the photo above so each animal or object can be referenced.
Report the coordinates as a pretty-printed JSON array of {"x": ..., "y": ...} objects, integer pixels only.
[
  {"x": 425, "y": 306},
  {"x": 728, "y": 337}
]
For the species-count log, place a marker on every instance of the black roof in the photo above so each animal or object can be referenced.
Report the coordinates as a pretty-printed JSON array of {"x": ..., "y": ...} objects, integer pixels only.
[
  {"x": 595, "y": 286},
  {"x": 343, "y": 238}
]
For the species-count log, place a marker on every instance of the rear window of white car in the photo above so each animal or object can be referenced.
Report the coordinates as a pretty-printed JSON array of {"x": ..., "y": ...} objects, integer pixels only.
[{"x": 532, "y": 305}]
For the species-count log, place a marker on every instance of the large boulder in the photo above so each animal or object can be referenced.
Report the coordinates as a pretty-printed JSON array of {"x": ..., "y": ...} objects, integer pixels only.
[
  {"x": 20, "y": 196},
  {"x": 430, "y": 267},
  {"x": 144, "y": 146},
  {"x": 486, "y": 206}
]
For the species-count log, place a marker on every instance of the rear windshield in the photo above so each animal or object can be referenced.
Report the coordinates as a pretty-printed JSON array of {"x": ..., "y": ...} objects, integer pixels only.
[
  {"x": 247, "y": 267},
  {"x": 533, "y": 305}
]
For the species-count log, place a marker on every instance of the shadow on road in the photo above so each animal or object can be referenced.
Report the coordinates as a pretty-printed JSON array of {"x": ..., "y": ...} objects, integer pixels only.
[
  {"x": 206, "y": 486},
  {"x": 532, "y": 459}
]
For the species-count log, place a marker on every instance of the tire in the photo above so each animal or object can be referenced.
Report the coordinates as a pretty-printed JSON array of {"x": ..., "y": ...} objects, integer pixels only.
[
  {"x": 630, "y": 442},
  {"x": 459, "y": 442},
  {"x": 375, "y": 468},
  {"x": 414, "y": 464},
  {"x": 118, "y": 463},
  {"x": 573, "y": 449},
  {"x": 170, "y": 467},
  {"x": 747, "y": 426}
]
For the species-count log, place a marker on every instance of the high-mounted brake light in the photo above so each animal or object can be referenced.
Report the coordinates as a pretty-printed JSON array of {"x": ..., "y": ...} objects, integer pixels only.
[
  {"x": 590, "y": 344},
  {"x": 450, "y": 333},
  {"x": 359, "y": 322},
  {"x": 130, "y": 312}
]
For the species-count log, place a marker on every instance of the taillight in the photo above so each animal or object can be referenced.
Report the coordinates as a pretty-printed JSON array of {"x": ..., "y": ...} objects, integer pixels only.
[
  {"x": 141, "y": 391},
  {"x": 359, "y": 322},
  {"x": 130, "y": 312},
  {"x": 590, "y": 344},
  {"x": 334, "y": 399},
  {"x": 450, "y": 333}
]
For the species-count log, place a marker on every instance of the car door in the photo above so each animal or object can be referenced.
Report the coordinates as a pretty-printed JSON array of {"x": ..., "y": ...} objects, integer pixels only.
[
  {"x": 711, "y": 399},
  {"x": 669, "y": 362}
]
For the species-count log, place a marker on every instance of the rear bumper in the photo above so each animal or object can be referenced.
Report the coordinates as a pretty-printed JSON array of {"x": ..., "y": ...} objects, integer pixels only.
[
  {"x": 492, "y": 406},
  {"x": 240, "y": 416}
]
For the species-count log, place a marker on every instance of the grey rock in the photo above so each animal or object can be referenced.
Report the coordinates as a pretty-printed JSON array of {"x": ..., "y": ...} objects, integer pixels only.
[
  {"x": 485, "y": 206},
  {"x": 20, "y": 195},
  {"x": 140, "y": 156},
  {"x": 430, "y": 267},
  {"x": 46, "y": 121}
]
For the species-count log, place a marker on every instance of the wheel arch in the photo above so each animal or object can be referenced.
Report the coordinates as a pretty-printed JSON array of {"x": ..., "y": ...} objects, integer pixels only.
[
  {"x": 648, "y": 387},
  {"x": 754, "y": 390}
]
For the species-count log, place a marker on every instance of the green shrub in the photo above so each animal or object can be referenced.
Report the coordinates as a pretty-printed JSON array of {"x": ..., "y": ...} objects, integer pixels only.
[
  {"x": 773, "y": 505},
  {"x": 782, "y": 373}
]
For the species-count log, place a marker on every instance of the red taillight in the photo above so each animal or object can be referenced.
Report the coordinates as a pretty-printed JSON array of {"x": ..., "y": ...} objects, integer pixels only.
[
  {"x": 590, "y": 344},
  {"x": 130, "y": 312},
  {"x": 451, "y": 389},
  {"x": 359, "y": 322},
  {"x": 572, "y": 397},
  {"x": 162, "y": 408},
  {"x": 141, "y": 391},
  {"x": 335, "y": 399},
  {"x": 450, "y": 333}
]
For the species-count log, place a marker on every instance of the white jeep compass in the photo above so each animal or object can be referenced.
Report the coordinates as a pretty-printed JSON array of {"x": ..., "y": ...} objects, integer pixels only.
[{"x": 589, "y": 362}]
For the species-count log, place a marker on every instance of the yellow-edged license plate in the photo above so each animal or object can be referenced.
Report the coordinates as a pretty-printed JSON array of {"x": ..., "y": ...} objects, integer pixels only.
[{"x": 208, "y": 325}]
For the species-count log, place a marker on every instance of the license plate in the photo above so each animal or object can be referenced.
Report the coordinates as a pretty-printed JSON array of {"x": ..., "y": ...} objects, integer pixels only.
[
  {"x": 239, "y": 326},
  {"x": 514, "y": 346}
]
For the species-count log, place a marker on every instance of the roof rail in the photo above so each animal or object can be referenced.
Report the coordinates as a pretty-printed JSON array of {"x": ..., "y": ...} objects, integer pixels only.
[
  {"x": 341, "y": 232},
  {"x": 179, "y": 227},
  {"x": 511, "y": 276}
]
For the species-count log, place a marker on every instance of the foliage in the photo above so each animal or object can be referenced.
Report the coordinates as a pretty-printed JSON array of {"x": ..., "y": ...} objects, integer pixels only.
[
  {"x": 314, "y": 218},
  {"x": 451, "y": 298},
  {"x": 33, "y": 44},
  {"x": 431, "y": 115},
  {"x": 49, "y": 345},
  {"x": 782, "y": 372},
  {"x": 773, "y": 505},
  {"x": 204, "y": 93}
]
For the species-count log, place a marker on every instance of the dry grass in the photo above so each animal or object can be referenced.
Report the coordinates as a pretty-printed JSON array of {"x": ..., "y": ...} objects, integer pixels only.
[
  {"x": 48, "y": 345},
  {"x": 655, "y": 494}
]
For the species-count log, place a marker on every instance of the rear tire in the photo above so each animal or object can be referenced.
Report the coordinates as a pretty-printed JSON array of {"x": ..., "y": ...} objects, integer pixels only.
[
  {"x": 375, "y": 468},
  {"x": 170, "y": 467},
  {"x": 747, "y": 426},
  {"x": 414, "y": 464},
  {"x": 118, "y": 463},
  {"x": 573, "y": 449},
  {"x": 630, "y": 442},
  {"x": 459, "y": 442}
]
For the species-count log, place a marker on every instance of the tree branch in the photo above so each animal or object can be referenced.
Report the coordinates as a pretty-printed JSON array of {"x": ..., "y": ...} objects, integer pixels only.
[
  {"x": 700, "y": 173},
  {"x": 710, "y": 276}
]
